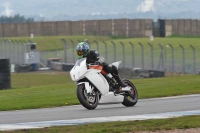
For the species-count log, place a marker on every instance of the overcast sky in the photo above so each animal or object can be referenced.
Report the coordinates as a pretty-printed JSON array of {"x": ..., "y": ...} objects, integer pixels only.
[{"x": 50, "y": 8}]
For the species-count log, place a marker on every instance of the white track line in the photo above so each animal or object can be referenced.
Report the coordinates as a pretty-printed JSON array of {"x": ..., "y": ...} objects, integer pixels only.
[
  {"x": 172, "y": 97},
  {"x": 31, "y": 125}
]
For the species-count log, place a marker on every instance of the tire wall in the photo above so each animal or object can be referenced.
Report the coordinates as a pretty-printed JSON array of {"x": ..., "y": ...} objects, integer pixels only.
[{"x": 5, "y": 76}]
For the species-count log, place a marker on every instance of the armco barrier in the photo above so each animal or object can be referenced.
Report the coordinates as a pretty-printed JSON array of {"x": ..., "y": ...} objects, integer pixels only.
[
  {"x": 67, "y": 67},
  {"x": 24, "y": 68},
  {"x": 140, "y": 73},
  {"x": 61, "y": 66},
  {"x": 56, "y": 66}
]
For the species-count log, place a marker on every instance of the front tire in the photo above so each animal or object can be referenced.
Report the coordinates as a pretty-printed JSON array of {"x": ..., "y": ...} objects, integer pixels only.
[
  {"x": 89, "y": 101},
  {"x": 130, "y": 98}
]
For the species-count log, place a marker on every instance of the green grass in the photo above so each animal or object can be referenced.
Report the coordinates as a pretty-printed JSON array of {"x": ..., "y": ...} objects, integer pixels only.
[
  {"x": 40, "y": 90},
  {"x": 125, "y": 127},
  {"x": 55, "y": 43},
  {"x": 34, "y": 90},
  {"x": 183, "y": 36},
  {"x": 51, "y": 43}
]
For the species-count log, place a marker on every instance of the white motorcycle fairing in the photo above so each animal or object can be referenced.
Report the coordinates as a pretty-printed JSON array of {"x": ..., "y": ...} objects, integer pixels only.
[
  {"x": 117, "y": 64},
  {"x": 98, "y": 80},
  {"x": 80, "y": 71},
  {"x": 111, "y": 98}
]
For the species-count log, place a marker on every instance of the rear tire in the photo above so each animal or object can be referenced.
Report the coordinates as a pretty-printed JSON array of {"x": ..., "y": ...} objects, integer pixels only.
[
  {"x": 130, "y": 99},
  {"x": 84, "y": 97}
]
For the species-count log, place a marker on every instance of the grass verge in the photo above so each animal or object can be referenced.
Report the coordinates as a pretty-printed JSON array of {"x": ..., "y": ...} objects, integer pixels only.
[
  {"x": 40, "y": 90},
  {"x": 124, "y": 127}
]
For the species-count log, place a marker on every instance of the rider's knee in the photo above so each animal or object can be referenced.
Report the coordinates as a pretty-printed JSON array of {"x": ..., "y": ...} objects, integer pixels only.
[{"x": 112, "y": 69}]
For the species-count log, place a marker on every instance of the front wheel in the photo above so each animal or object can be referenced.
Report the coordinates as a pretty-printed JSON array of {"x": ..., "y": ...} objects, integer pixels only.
[
  {"x": 131, "y": 97},
  {"x": 88, "y": 100}
]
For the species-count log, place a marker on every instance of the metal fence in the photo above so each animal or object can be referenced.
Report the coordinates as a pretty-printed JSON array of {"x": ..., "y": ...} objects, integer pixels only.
[
  {"x": 19, "y": 52},
  {"x": 168, "y": 58},
  {"x": 12, "y": 49},
  {"x": 149, "y": 56}
]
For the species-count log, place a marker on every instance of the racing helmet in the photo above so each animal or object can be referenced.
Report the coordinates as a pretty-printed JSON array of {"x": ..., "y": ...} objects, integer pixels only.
[{"x": 82, "y": 49}]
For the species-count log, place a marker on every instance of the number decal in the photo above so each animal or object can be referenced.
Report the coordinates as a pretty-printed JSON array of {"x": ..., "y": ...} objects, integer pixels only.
[{"x": 30, "y": 56}]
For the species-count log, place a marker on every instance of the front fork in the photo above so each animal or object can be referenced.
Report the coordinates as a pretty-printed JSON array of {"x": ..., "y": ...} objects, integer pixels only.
[{"x": 90, "y": 92}]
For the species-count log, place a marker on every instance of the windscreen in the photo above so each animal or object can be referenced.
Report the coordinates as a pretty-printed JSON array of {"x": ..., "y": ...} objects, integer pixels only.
[{"x": 78, "y": 62}]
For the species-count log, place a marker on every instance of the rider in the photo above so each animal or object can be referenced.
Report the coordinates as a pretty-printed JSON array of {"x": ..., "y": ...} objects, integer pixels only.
[{"x": 93, "y": 56}]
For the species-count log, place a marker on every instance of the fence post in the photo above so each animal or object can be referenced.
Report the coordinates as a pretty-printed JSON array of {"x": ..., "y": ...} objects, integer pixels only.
[
  {"x": 133, "y": 65},
  {"x": 5, "y": 48},
  {"x": 183, "y": 53},
  {"x": 89, "y": 44},
  {"x": 105, "y": 50},
  {"x": 97, "y": 45},
  {"x": 73, "y": 51},
  {"x": 194, "y": 58},
  {"x": 1, "y": 52},
  {"x": 123, "y": 49},
  {"x": 23, "y": 52},
  {"x": 142, "y": 47},
  {"x": 173, "y": 70},
  {"x": 9, "y": 48},
  {"x": 18, "y": 51},
  {"x": 2, "y": 48},
  {"x": 13, "y": 52},
  {"x": 152, "y": 60},
  {"x": 161, "y": 57},
  {"x": 114, "y": 50},
  {"x": 65, "y": 50}
]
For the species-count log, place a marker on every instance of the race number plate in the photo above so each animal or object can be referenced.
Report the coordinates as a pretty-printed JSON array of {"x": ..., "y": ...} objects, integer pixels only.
[{"x": 30, "y": 56}]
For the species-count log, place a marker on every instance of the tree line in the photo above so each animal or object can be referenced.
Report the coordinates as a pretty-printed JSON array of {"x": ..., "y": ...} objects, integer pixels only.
[{"x": 15, "y": 19}]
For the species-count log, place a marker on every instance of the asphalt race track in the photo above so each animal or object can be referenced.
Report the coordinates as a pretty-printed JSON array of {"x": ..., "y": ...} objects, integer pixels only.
[{"x": 143, "y": 107}]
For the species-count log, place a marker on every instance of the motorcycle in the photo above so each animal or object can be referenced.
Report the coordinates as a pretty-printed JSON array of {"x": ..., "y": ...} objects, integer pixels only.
[{"x": 95, "y": 86}]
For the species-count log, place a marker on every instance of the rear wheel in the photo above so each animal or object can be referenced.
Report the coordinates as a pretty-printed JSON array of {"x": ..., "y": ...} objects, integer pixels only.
[
  {"x": 88, "y": 100},
  {"x": 131, "y": 97}
]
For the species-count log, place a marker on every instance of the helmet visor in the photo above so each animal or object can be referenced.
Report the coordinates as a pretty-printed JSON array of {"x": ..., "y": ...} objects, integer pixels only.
[{"x": 80, "y": 53}]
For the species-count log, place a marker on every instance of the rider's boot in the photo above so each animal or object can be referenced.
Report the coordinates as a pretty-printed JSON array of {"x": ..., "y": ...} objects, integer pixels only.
[{"x": 119, "y": 81}]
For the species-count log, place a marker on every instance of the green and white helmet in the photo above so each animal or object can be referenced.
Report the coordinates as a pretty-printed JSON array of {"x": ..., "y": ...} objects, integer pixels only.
[{"x": 82, "y": 49}]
